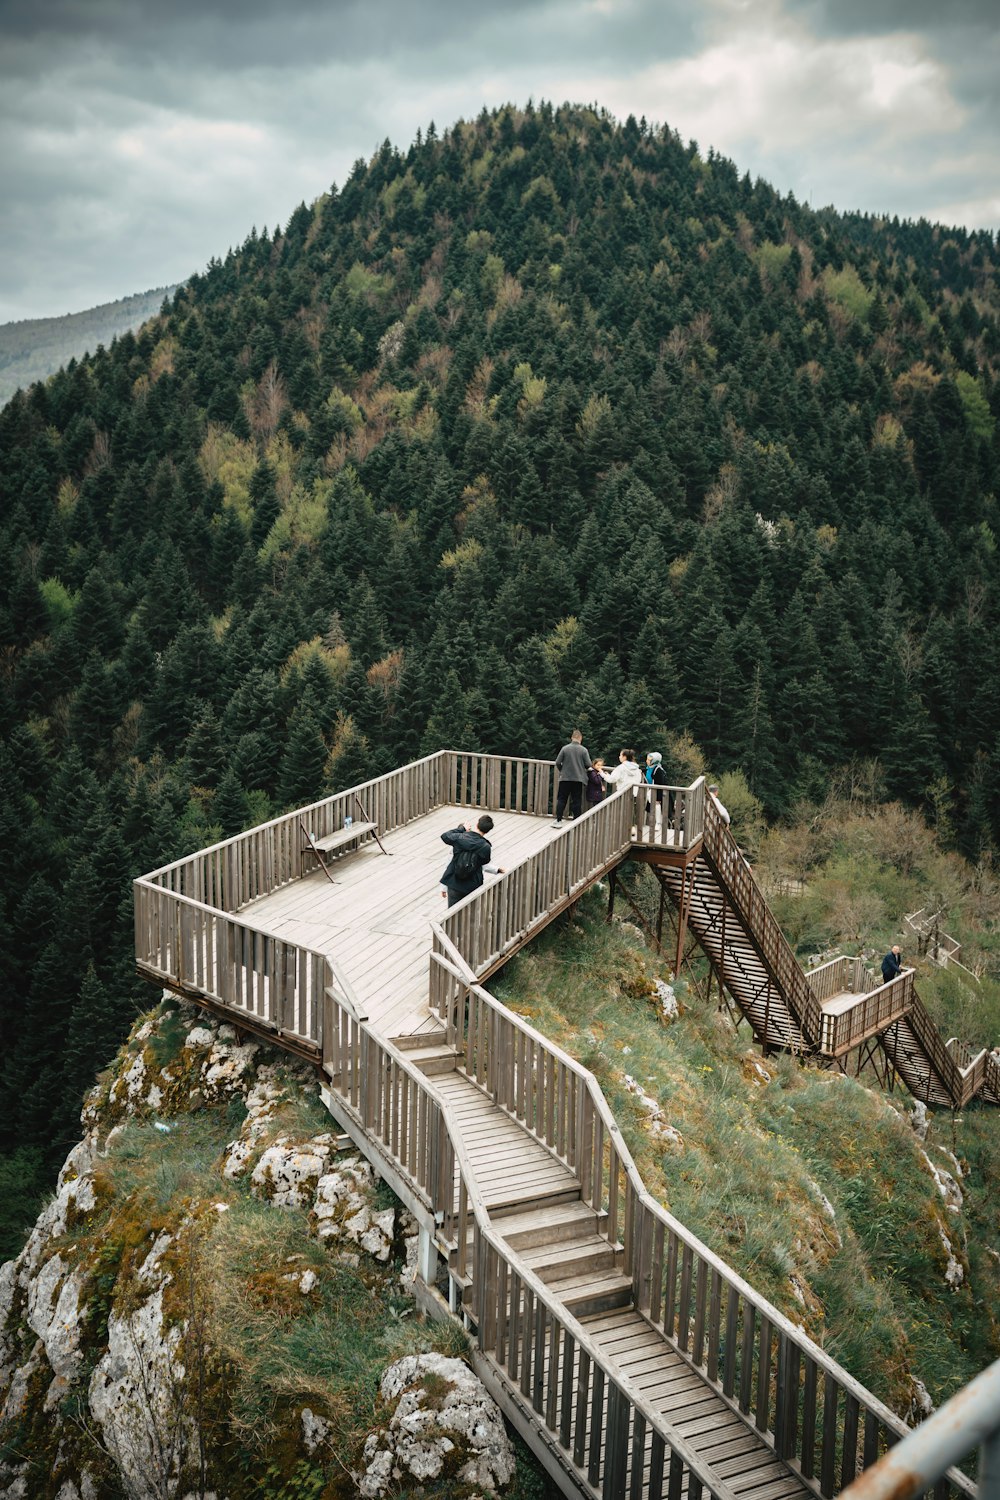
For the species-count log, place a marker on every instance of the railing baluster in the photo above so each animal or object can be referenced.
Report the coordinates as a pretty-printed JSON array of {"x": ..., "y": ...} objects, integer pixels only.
[
  {"x": 828, "y": 1459},
  {"x": 763, "y": 1376},
  {"x": 568, "y": 1387},
  {"x": 808, "y": 1447},
  {"x": 582, "y": 1407},
  {"x": 596, "y": 1426},
  {"x": 849, "y": 1458}
]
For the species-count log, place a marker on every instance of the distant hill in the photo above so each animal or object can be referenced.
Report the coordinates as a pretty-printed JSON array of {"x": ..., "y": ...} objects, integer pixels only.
[{"x": 35, "y": 348}]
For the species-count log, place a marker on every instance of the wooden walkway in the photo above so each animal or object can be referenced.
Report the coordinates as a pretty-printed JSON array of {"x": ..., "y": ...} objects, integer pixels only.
[
  {"x": 376, "y": 918},
  {"x": 632, "y": 1360}
]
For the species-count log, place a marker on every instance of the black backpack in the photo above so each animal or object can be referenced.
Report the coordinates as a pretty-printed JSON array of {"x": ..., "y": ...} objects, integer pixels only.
[{"x": 467, "y": 866}]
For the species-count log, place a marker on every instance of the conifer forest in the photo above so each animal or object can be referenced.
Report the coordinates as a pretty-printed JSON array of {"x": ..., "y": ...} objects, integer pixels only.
[{"x": 546, "y": 421}]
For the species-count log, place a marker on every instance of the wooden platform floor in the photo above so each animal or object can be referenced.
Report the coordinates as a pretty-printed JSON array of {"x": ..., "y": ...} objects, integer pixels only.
[
  {"x": 725, "y": 1441},
  {"x": 511, "y": 1168},
  {"x": 836, "y": 1005},
  {"x": 375, "y": 921}
]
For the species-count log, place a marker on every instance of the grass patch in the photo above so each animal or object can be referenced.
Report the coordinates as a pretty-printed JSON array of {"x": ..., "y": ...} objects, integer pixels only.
[
  {"x": 327, "y": 1349},
  {"x": 159, "y": 1164}
]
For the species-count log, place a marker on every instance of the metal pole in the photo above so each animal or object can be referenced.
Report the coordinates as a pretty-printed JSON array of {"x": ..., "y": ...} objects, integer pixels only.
[{"x": 971, "y": 1419}]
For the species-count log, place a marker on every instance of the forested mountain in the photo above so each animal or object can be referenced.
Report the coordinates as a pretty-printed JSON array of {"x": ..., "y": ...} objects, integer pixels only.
[
  {"x": 547, "y": 420},
  {"x": 34, "y": 348}
]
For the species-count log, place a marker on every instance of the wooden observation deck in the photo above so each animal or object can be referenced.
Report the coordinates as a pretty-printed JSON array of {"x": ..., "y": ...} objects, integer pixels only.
[{"x": 632, "y": 1360}]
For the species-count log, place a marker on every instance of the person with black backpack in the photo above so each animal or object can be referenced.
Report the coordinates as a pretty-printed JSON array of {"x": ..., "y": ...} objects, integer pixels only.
[{"x": 472, "y": 854}]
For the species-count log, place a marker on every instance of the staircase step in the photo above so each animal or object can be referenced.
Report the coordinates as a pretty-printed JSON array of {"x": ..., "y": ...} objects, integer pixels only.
[
  {"x": 415, "y": 1040},
  {"x": 433, "y": 1061},
  {"x": 592, "y": 1292},
  {"x": 589, "y": 1256},
  {"x": 548, "y": 1223}
]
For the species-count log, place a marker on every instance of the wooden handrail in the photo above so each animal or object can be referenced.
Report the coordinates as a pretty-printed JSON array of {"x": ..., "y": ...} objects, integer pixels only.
[
  {"x": 492, "y": 920},
  {"x": 724, "y": 853},
  {"x": 228, "y": 875},
  {"x": 393, "y": 1101},
  {"x": 208, "y": 953},
  {"x": 801, "y": 1400}
]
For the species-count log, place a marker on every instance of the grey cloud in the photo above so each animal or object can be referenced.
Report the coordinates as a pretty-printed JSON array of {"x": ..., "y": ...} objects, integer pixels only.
[
  {"x": 879, "y": 17},
  {"x": 230, "y": 34}
]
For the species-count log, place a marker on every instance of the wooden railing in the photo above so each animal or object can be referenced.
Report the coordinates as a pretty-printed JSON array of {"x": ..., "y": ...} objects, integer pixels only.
[
  {"x": 607, "y": 1430},
  {"x": 807, "y": 1408},
  {"x": 495, "y": 919},
  {"x": 838, "y": 976},
  {"x": 876, "y": 1007},
  {"x": 961, "y": 1073},
  {"x": 499, "y": 782},
  {"x": 669, "y": 817},
  {"x": 393, "y": 1102},
  {"x": 228, "y": 875},
  {"x": 723, "y": 852},
  {"x": 491, "y": 921},
  {"x": 210, "y": 955}
]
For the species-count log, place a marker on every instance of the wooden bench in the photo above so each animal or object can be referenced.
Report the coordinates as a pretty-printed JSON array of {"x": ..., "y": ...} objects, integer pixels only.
[{"x": 333, "y": 841}]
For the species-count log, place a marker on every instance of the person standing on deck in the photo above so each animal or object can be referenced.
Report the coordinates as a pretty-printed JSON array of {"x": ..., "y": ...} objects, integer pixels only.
[
  {"x": 573, "y": 764},
  {"x": 595, "y": 783},
  {"x": 472, "y": 854},
  {"x": 655, "y": 774},
  {"x": 892, "y": 964},
  {"x": 625, "y": 773},
  {"x": 723, "y": 812}
]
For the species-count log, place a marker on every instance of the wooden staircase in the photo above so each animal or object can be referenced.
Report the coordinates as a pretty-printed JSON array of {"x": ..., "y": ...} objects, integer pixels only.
[
  {"x": 730, "y": 943},
  {"x": 718, "y": 899},
  {"x": 537, "y": 1210}
]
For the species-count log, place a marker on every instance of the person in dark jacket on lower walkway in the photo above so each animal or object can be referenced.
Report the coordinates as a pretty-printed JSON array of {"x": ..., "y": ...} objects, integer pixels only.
[
  {"x": 472, "y": 854},
  {"x": 892, "y": 964}
]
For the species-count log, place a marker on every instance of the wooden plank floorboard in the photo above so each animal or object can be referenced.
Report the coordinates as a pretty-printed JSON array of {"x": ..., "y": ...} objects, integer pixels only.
[{"x": 375, "y": 920}]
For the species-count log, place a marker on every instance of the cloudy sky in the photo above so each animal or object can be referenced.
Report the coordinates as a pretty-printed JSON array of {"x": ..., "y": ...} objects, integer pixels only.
[{"x": 138, "y": 139}]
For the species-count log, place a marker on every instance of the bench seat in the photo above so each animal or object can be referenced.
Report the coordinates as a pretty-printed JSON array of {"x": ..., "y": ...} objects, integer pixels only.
[{"x": 331, "y": 841}]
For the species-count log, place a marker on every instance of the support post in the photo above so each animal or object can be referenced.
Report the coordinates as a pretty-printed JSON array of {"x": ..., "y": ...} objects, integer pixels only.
[
  {"x": 427, "y": 1258},
  {"x": 683, "y": 907},
  {"x": 612, "y": 884}
]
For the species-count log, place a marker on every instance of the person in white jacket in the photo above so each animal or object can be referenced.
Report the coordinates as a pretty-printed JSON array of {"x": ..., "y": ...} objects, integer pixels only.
[{"x": 626, "y": 773}]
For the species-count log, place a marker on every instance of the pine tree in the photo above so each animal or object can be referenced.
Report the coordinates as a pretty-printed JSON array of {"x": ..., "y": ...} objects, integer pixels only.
[
  {"x": 230, "y": 806},
  {"x": 300, "y": 776}
]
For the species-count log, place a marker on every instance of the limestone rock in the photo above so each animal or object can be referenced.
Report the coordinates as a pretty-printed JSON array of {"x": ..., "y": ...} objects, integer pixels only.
[
  {"x": 136, "y": 1392},
  {"x": 946, "y": 1185},
  {"x": 954, "y": 1275},
  {"x": 53, "y": 1313},
  {"x": 659, "y": 1127},
  {"x": 440, "y": 1407},
  {"x": 341, "y": 1195},
  {"x": 666, "y": 995},
  {"x": 315, "y": 1430},
  {"x": 288, "y": 1173}
]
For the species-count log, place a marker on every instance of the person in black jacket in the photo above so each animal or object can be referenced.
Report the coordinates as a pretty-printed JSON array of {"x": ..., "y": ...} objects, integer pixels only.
[
  {"x": 472, "y": 854},
  {"x": 892, "y": 964},
  {"x": 655, "y": 775}
]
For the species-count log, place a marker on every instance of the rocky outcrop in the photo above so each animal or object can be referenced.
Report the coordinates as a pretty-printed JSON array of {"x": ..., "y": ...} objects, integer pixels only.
[
  {"x": 441, "y": 1423},
  {"x": 116, "y": 1342}
]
